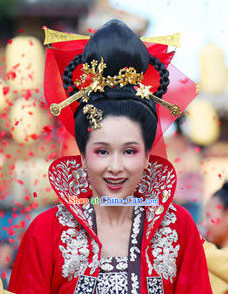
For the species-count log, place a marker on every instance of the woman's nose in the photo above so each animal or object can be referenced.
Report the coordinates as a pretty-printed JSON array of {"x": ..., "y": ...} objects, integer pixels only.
[{"x": 115, "y": 164}]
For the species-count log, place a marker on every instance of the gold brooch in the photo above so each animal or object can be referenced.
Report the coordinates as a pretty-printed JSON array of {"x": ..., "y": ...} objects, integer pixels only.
[{"x": 98, "y": 82}]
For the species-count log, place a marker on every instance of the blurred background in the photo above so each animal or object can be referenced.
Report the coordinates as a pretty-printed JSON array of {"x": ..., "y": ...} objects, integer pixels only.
[{"x": 30, "y": 139}]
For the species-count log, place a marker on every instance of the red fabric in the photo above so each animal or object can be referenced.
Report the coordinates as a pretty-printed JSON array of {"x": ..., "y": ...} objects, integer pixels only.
[
  {"x": 38, "y": 265},
  {"x": 37, "y": 268},
  {"x": 39, "y": 261},
  {"x": 193, "y": 273}
]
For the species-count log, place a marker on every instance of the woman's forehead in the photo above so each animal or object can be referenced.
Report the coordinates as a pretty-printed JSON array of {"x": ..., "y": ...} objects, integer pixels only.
[{"x": 121, "y": 128}]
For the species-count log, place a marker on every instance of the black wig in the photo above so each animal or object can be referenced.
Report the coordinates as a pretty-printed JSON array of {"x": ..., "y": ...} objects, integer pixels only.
[{"x": 120, "y": 47}]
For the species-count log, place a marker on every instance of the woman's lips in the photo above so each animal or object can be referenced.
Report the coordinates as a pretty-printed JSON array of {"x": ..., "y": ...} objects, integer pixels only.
[{"x": 115, "y": 184}]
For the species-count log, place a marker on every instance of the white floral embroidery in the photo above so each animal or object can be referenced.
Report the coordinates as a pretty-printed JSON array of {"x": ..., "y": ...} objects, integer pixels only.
[
  {"x": 156, "y": 179},
  {"x": 135, "y": 283},
  {"x": 156, "y": 183},
  {"x": 85, "y": 285},
  {"x": 155, "y": 285},
  {"x": 95, "y": 262},
  {"x": 150, "y": 226},
  {"x": 171, "y": 206},
  {"x": 163, "y": 249},
  {"x": 134, "y": 249},
  {"x": 150, "y": 267},
  {"x": 121, "y": 263},
  {"x": 68, "y": 178},
  {"x": 169, "y": 218},
  {"x": 75, "y": 254},
  {"x": 75, "y": 250},
  {"x": 165, "y": 253},
  {"x": 105, "y": 264},
  {"x": 88, "y": 209},
  {"x": 112, "y": 283},
  {"x": 65, "y": 217},
  {"x": 88, "y": 213}
]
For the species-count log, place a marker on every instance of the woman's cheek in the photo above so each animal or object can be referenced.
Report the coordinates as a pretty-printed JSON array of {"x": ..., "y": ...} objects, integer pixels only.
[
  {"x": 92, "y": 155},
  {"x": 138, "y": 160},
  {"x": 96, "y": 161}
]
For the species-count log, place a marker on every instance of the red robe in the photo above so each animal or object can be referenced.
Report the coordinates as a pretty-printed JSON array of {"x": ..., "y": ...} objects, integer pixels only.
[{"x": 60, "y": 251}]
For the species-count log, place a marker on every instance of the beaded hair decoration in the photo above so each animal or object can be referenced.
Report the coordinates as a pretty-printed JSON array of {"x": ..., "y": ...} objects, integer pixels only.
[{"x": 94, "y": 71}]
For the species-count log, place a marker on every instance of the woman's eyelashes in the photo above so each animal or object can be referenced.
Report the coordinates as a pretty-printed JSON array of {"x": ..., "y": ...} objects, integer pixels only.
[
  {"x": 101, "y": 152},
  {"x": 127, "y": 151},
  {"x": 130, "y": 151}
]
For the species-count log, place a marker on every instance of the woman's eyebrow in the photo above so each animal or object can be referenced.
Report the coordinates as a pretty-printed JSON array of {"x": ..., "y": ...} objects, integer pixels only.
[{"x": 107, "y": 144}]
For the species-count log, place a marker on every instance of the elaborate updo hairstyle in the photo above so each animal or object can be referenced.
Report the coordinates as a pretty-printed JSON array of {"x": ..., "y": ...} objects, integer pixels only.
[
  {"x": 120, "y": 47},
  {"x": 222, "y": 195}
]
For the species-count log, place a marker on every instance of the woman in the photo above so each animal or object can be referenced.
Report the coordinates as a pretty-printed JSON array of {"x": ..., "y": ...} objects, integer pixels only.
[
  {"x": 216, "y": 248},
  {"x": 111, "y": 249}
]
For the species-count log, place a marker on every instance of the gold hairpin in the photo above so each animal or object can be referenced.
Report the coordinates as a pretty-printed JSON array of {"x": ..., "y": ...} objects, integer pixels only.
[
  {"x": 56, "y": 108},
  {"x": 52, "y": 36},
  {"x": 144, "y": 92},
  {"x": 98, "y": 83}
]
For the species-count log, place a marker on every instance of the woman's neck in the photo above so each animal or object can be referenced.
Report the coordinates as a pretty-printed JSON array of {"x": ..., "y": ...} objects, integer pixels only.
[{"x": 113, "y": 215}]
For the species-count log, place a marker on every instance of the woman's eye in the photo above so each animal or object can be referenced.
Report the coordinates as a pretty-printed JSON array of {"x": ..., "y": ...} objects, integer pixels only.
[
  {"x": 102, "y": 152},
  {"x": 130, "y": 151}
]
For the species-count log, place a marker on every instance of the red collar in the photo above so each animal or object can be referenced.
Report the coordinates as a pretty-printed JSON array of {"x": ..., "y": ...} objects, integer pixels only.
[{"x": 68, "y": 178}]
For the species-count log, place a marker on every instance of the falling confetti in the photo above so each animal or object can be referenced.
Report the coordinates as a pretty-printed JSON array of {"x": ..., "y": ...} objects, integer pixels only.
[{"x": 3, "y": 274}]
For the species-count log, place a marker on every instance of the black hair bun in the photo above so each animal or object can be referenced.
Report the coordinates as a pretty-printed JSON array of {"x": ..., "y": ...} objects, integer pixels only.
[{"x": 119, "y": 46}]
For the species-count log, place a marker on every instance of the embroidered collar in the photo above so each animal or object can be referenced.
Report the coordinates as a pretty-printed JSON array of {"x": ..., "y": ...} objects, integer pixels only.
[{"x": 68, "y": 178}]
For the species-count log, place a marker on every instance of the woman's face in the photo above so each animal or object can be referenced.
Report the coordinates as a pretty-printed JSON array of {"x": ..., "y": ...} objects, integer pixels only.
[
  {"x": 216, "y": 221},
  {"x": 115, "y": 158}
]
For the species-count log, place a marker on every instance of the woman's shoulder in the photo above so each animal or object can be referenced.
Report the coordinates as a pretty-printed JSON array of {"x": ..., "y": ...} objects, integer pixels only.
[
  {"x": 46, "y": 215},
  {"x": 44, "y": 221}
]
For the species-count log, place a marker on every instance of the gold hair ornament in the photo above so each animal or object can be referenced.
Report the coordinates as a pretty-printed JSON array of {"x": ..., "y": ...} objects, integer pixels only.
[
  {"x": 52, "y": 36},
  {"x": 95, "y": 71},
  {"x": 94, "y": 115},
  {"x": 144, "y": 92},
  {"x": 124, "y": 77}
]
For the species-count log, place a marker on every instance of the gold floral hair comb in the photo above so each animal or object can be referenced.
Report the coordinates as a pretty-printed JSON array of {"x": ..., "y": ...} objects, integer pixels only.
[{"x": 99, "y": 82}]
